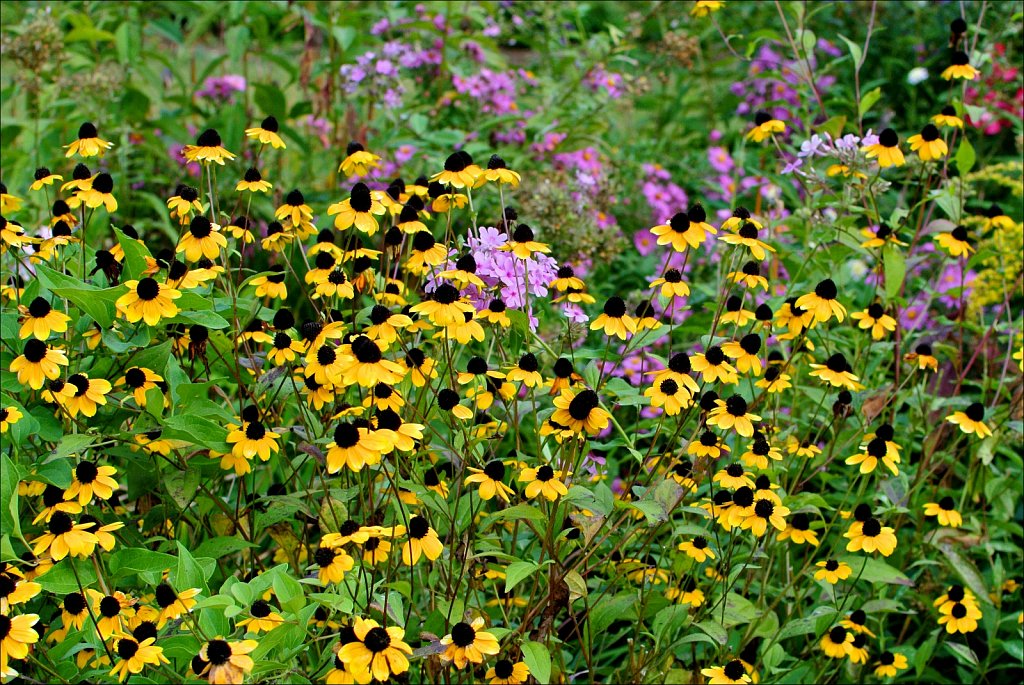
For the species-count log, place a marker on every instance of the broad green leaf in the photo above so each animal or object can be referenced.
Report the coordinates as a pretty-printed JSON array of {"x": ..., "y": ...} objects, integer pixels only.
[
  {"x": 135, "y": 254},
  {"x": 9, "y": 477},
  {"x": 96, "y": 302},
  {"x": 714, "y": 630},
  {"x": 202, "y": 433},
  {"x": 868, "y": 100},
  {"x": 966, "y": 570},
  {"x": 876, "y": 571},
  {"x": 895, "y": 265},
  {"x": 965, "y": 156},
  {"x": 517, "y": 572},
  {"x": 855, "y": 51},
  {"x": 538, "y": 660},
  {"x": 60, "y": 580}
]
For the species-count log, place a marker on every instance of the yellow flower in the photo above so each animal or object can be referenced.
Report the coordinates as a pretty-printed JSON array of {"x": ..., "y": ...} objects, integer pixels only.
[
  {"x": 836, "y": 372},
  {"x": 928, "y": 144},
  {"x": 37, "y": 363},
  {"x": 490, "y": 481},
  {"x": 544, "y": 481},
  {"x": 253, "y": 182},
  {"x": 18, "y": 636},
  {"x": 423, "y": 541},
  {"x": 870, "y": 536},
  {"x": 202, "y": 239},
  {"x": 876, "y": 320},
  {"x": 580, "y": 412},
  {"x": 732, "y": 673},
  {"x": 377, "y": 651},
  {"x": 207, "y": 149},
  {"x": 697, "y": 549},
  {"x": 945, "y": 511},
  {"x": 837, "y": 643},
  {"x": 832, "y": 571},
  {"x": 459, "y": 171},
  {"x": 91, "y": 480},
  {"x": 184, "y": 203},
  {"x": 948, "y": 117},
  {"x": 43, "y": 177},
  {"x": 732, "y": 413},
  {"x": 261, "y": 618},
  {"x": 40, "y": 319},
  {"x": 956, "y": 242},
  {"x": 147, "y": 300},
  {"x": 266, "y": 133},
  {"x": 333, "y": 564},
  {"x": 173, "y": 604},
  {"x": 253, "y": 439},
  {"x": 358, "y": 161},
  {"x": 498, "y": 172},
  {"x": 960, "y": 68},
  {"x": 360, "y": 210},
  {"x": 887, "y": 150},
  {"x": 683, "y": 231},
  {"x": 227, "y": 663},
  {"x": 8, "y": 417},
  {"x": 889, "y": 664},
  {"x": 467, "y": 643},
  {"x": 703, "y": 8},
  {"x": 135, "y": 655},
  {"x": 764, "y": 127},
  {"x": 88, "y": 143},
  {"x": 522, "y": 244},
  {"x": 971, "y": 420},
  {"x": 505, "y": 672}
]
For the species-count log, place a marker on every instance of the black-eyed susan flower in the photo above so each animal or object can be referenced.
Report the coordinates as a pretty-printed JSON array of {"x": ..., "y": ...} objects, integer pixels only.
[
  {"x": 377, "y": 651},
  {"x": 261, "y": 619},
  {"x": 43, "y": 177},
  {"x": 226, "y": 662},
  {"x": 284, "y": 348},
  {"x": 359, "y": 210},
  {"x": 928, "y": 144},
  {"x": 544, "y": 481},
  {"x": 712, "y": 366},
  {"x": 147, "y": 300},
  {"x": 173, "y": 604},
  {"x": 837, "y": 643},
  {"x": 870, "y": 536},
  {"x": 923, "y": 358},
  {"x": 267, "y": 133},
  {"x": 765, "y": 126},
  {"x": 745, "y": 352},
  {"x": 507, "y": 672},
  {"x": 858, "y": 650},
  {"x": 960, "y": 67},
  {"x": 680, "y": 232},
  {"x": 253, "y": 182},
  {"x": 669, "y": 394},
  {"x": 366, "y": 365},
  {"x": 734, "y": 477},
  {"x": 671, "y": 284},
  {"x": 856, "y": 621},
  {"x": 91, "y": 480},
  {"x": 959, "y": 617},
  {"x": 498, "y": 172},
  {"x": 970, "y": 420},
  {"x": 358, "y": 161},
  {"x": 836, "y": 372},
  {"x": 133, "y": 656},
  {"x": 565, "y": 375},
  {"x": 426, "y": 252},
  {"x": 876, "y": 320},
  {"x": 444, "y": 306},
  {"x": 732, "y": 413},
  {"x": 774, "y": 380},
  {"x": 527, "y": 371},
  {"x": 85, "y": 394},
  {"x": 459, "y": 171},
  {"x": 948, "y": 117},
  {"x": 8, "y": 417},
  {"x": 732, "y": 673},
  {"x": 208, "y": 148},
  {"x": 697, "y": 549},
  {"x": 490, "y": 480},
  {"x": 16, "y": 639},
  {"x": 40, "y": 319},
  {"x": 876, "y": 450},
  {"x": 88, "y": 143},
  {"x": 750, "y": 273},
  {"x": 879, "y": 237},
  {"x": 296, "y": 215},
  {"x": 798, "y": 529},
  {"x": 355, "y": 446},
  {"x": 272, "y": 285},
  {"x": 614, "y": 320},
  {"x": 74, "y": 611},
  {"x": 832, "y": 571},
  {"x": 38, "y": 363},
  {"x": 887, "y": 149},
  {"x": 14, "y": 588},
  {"x": 332, "y": 564},
  {"x": 523, "y": 243},
  {"x": 325, "y": 364},
  {"x": 822, "y": 303},
  {"x": 253, "y": 439},
  {"x": 945, "y": 512},
  {"x": 889, "y": 664},
  {"x": 955, "y": 594},
  {"x": 202, "y": 239},
  {"x": 184, "y": 203},
  {"x": 686, "y": 594},
  {"x": 709, "y": 445},
  {"x": 239, "y": 230},
  {"x": 580, "y": 412},
  {"x": 98, "y": 194},
  {"x": 766, "y": 512},
  {"x": 956, "y": 242},
  {"x": 759, "y": 452},
  {"x": 423, "y": 541},
  {"x": 112, "y": 612},
  {"x": 747, "y": 237},
  {"x": 468, "y": 643},
  {"x": 495, "y": 313}
]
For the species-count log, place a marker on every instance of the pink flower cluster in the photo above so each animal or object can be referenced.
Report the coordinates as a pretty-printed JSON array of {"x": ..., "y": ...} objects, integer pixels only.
[
  {"x": 493, "y": 91},
  {"x": 222, "y": 88}
]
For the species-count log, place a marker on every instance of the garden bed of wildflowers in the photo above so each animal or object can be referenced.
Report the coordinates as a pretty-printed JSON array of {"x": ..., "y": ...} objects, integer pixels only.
[{"x": 511, "y": 342}]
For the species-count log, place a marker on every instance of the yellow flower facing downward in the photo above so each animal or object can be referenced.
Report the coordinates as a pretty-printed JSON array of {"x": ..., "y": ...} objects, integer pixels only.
[
  {"x": 971, "y": 420},
  {"x": 928, "y": 144},
  {"x": 88, "y": 143}
]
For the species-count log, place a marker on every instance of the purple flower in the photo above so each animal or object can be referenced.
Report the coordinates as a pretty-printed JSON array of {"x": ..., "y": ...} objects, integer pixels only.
[
  {"x": 222, "y": 88},
  {"x": 720, "y": 159}
]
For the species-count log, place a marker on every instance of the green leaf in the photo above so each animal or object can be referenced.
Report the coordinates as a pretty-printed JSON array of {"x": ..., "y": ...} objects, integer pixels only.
[
  {"x": 517, "y": 572},
  {"x": 271, "y": 100},
  {"x": 877, "y": 571},
  {"x": 96, "y": 302},
  {"x": 653, "y": 511},
  {"x": 288, "y": 590},
  {"x": 221, "y": 547},
  {"x": 182, "y": 486},
  {"x": 855, "y": 51},
  {"x": 520, "y": 511},
  {"x": 203, "y": 318},
  {"x": 60, "y": 580},
  {"x": 895, "y": 265},
  {"x": 868, "y": 100},
  {"x": 538, "y": 660},
  {"x": 966, "y": 570},
  {"x": 9, "y": 477},
  {"x": 965, "y": 156},
  {"x": 714, "y": 630},
  {"x": 963, "y": 653},
  {"x": 577, "y": 586},
  {"x": 149, "y": 565},
  {"x": 135, "y": 254},
  {"x": 201, "y": 432},
  {"x": 189, "y": 572}
]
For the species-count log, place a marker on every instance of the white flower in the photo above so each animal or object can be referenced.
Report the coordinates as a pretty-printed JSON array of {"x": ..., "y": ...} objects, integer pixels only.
[{"x": 917, "y": 75}]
